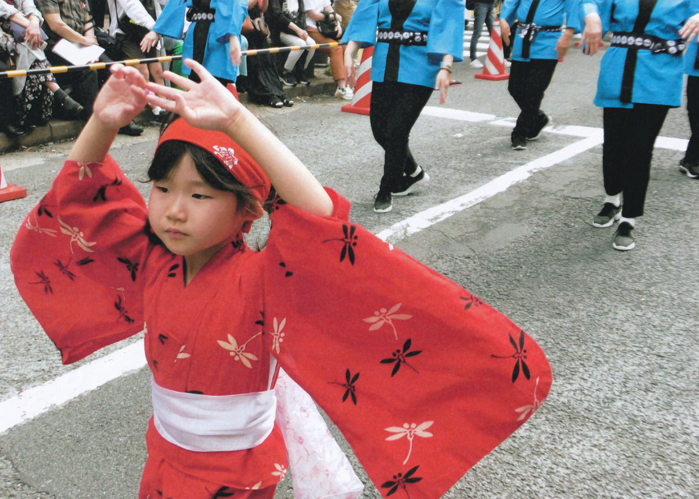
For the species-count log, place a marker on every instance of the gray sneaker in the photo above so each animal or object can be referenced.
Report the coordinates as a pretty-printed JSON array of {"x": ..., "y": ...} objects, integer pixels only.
[
  {"x": 383, "y": 202},
  {"x": 607, "y": 216},
  {"x": 623, "y": 240}
]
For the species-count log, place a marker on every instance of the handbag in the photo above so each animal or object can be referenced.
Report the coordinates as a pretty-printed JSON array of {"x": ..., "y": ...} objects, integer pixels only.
[
  {"x": 257, "y": 21},
  {"x": 328, "y": 27},
  {"x": 111, "y": 46}
]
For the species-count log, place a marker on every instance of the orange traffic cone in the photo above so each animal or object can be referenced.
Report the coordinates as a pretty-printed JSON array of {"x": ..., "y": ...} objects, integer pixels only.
[
  {"x": 9, "y": 191},
  {"x": 494, "y": 68},
  {"x": 362, "y": 90}
]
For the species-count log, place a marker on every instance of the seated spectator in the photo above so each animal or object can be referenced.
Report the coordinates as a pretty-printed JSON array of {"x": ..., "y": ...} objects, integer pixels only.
[
  {"x": 130, "y": 22},
  {"x": 32, "y": 97},
  {"x": 316, "y": 11},
  {"x": 262, "y": 82},
  {"x": 287, "y": 24},
  {"x": 71, "y": 20}
]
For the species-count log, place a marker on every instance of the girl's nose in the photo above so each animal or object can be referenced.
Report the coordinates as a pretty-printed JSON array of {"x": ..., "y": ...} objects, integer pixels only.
[{"x": 176, "y": 210}]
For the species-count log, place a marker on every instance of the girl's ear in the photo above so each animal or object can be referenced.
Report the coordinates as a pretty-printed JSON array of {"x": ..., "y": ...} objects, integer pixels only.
[{"x": 251, "y": 213}]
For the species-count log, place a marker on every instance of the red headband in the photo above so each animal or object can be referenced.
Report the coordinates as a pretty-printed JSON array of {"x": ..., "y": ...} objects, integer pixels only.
[{"x": 230, "y": 154}]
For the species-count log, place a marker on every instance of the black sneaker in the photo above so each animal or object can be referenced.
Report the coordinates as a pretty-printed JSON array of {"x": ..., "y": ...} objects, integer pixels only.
[
  {"x": 383, "y": 202},
  {"x": 288, "y": 79},
  {"x": 518, "y": 143},
  {"x": 607, "y": 216},
  {"x": 543, "y": 121},
  {"x": 623, "y": 240},
  {"x": 302, "y": 80},
  {"x": 691, "y": 169},
  {"x": 131, "y": 129},
  {"x": 410, "y": 182}
]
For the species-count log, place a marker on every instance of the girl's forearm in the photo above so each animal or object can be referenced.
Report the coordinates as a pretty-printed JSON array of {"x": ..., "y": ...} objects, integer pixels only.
[
  {"x": 93, "y": 143},
  {"x": 294, "y": 183}
]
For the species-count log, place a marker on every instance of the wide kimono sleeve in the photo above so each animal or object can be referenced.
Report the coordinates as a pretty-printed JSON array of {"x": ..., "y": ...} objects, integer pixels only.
[
  {"x": 603, "y": 8},
  {"x": 171, "y": 20},
  {"x": 446, "y": 33},
  {"x": 362, "y": 26},
  {"x": 509, "y": 11},
  {"x": 78, "y": 257},
  {"x": 422, "y": 377},
  {"x": 230, "y": 15}
]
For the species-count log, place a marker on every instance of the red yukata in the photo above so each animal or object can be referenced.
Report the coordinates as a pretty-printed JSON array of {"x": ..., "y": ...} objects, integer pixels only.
[{"x": 421, "y": 377}]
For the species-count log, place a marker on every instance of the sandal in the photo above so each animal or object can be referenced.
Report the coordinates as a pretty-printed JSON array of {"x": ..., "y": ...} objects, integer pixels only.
[
  {"x": 276, "y": 103},
  {"x": 287, "y": 103}
]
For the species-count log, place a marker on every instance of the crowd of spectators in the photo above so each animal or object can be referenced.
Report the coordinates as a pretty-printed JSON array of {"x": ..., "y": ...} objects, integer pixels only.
[{"x": 29, "y": 30}]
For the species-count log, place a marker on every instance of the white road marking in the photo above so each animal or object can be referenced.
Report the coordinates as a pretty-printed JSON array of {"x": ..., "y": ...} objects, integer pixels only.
[
  {"x": 439, "y": 213},
  {"x": 35, "y": 401}
]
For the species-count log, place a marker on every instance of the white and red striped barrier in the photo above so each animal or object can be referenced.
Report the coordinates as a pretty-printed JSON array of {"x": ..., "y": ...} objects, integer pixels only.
[
  {"x": 362, "y": 90},
  {"x": 9, "y": 191},
  {"x": 494, "y": 67}
]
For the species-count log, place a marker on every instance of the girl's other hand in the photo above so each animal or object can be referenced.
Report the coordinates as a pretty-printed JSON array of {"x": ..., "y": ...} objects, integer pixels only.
[
  {"x": 208, "y": 105},
  {"x": 690, "y": 29},
  {"x": 122, "y": 97}
]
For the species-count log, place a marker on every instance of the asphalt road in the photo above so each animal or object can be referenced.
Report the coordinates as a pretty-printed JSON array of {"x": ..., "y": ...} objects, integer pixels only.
[{"x": 620, "y": 329}]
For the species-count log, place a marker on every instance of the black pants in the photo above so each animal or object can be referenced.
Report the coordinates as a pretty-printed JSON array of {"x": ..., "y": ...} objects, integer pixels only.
[
  {"x": 629, "y": 137},
  {"x": 692, "y": 154},
  {"x": 7, "y": 108},
  {"x": 85, "y": 83},
  {"x": 527, "y": 84},
  {"x": 395, "y": 107}
]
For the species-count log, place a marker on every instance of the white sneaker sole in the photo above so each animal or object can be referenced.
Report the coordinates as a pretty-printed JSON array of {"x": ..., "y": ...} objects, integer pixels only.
[
  {"x": 386, "y": 210},
  {"x": 687, "y": 172},
  {"x": 610, "y": 223},
  {"x": 412, "y": 188},
  {"x": 624, "y": 248}
]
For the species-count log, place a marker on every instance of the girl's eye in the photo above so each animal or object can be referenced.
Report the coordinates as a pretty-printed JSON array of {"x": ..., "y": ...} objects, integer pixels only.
[
  {"x": 200, "y": 196},
  {"x": 160, "y": 188}
]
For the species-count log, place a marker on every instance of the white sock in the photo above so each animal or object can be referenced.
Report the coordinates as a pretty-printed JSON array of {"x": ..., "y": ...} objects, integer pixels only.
[
  {"x": 615, "y": 200},
  {"x": 630, "y": 221},
  {"x": 416, "y": 172}
]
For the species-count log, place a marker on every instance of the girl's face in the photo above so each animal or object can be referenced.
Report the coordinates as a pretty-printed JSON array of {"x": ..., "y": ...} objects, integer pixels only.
[{"x": 192, "y": 218}]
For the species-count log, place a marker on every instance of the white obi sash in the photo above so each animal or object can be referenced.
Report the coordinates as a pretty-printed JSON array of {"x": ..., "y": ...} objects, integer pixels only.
[{"x": 205, "y": 423}]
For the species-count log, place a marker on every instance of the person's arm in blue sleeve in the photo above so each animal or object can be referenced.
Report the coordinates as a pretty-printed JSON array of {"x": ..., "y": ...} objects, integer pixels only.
[
  {"x": 596, "y": 16},
  {"x": 446, "y": 33},
  {"x": 362, "y": 26}
]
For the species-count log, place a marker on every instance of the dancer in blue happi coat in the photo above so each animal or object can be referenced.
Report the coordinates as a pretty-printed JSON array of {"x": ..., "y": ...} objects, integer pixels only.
[
  {"x": 542, "y": 40},
  {"x": 415, "y": 42},
  {"x": 690, "y": 162},
  {"x": 641, "y": 77},
  {"x": 213, "y": 39}
]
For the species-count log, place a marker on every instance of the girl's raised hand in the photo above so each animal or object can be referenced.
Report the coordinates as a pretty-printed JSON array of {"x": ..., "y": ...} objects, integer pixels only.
[
  {"x": 208, "y": 105},
  {"x": 122, "y": 97}
]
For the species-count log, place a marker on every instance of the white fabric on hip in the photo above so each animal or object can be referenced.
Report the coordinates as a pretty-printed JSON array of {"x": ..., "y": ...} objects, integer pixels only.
[
  {"x": 206, "y": 423},
  {"x": 319, "y": 468}
]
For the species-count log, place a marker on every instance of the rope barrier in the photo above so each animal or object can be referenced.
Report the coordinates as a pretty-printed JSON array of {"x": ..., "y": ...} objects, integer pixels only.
[{"x": 17, "y": 73}]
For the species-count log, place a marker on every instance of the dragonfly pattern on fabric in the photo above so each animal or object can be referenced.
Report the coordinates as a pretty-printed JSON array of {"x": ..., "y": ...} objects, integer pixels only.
[
  {"x": 410, "y": 431},
  {"x": 401, "y": 357},
  {"x": 471, "y": 300},
  {"x": 401, "y": 481},
  {"x": 349, "y": 242},
  {"x": 119, "y": 305},
  {"x": 238, "y": 352},
  {"x": 350, "y": 388},
  {"x": 40, "y": 230},
  {"x": 383, "y": 316},
  {"x": 64, "y": 269},
  {"x": 102, "y": 191},
  {"x": 519, "y": 356},
  {"x": 45, "y": 281},
  {"x": 277, "y": 334},
  {"x": 529, "y": 410},
  {"x": 76, "y": 236}
]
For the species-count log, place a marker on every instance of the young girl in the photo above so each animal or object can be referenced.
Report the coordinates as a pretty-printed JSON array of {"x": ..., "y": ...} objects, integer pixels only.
[{"x": 422, "y": 377}]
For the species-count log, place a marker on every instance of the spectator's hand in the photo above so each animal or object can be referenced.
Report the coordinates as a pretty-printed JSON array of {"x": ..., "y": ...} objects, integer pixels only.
[
  {"x": 32, "y": 34},
  {"x": 89, "y": 39},
  {"x": 122, "y": 97},
  {"x": 563, "y": 44},
  {"x": 592, "y": 34},
  {"x": 690, "y": 29},
  {"x": 442, "y": 84},
  {"x": 149, "y": 41},
  {"x": 208, "y": 105},
  {"x": 339, "y": 30},
  {"x": 303, "y": 35},
  {"x": 235, "y": 51},
  {"x": 505, "y": 31}
]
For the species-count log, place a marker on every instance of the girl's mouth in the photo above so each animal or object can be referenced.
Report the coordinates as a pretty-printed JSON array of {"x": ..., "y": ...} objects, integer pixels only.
[{"x": 175, "y": 233}]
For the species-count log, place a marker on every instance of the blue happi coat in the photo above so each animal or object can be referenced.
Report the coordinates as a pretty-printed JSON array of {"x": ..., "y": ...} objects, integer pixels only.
[
  {"x": 659, "y": 77},
  {"x": 690, "y": 57},
  {"x": 548, "y": 13},
  {"x": 230, "y": 15},
  {"x": 442, "y": 20}
]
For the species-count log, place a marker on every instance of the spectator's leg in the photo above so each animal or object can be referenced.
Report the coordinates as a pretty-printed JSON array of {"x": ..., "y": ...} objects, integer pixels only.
[
  {"x": 292, "y": 59},
  {"x": 489, "y": 17},
  {"x": 691, "y": 157},
  {"x": 243, "y": 71},
  {"x": 335, "y": 53},
  {"x": 479, "y": 12},
  {"x": 84, "y": 83}
]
